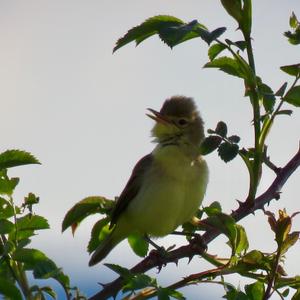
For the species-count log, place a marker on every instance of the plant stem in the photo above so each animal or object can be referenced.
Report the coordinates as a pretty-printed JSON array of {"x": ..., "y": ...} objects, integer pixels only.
[{"x": 254, "y": 97}]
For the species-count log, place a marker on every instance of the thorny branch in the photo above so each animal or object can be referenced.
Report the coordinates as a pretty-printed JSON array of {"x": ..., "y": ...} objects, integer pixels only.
[{"x": 150, "y": 262}]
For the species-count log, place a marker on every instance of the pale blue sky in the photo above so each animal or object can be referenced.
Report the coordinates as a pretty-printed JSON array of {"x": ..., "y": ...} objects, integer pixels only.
[{"x": 81, "y": 110}]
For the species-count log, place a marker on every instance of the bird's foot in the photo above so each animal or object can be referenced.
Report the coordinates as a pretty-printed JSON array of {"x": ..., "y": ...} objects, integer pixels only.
[{"x": 159, "y": 254}]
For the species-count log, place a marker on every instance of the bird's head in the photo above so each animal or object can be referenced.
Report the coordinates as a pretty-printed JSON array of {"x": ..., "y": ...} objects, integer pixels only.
[{"x": 177, "y": 121}]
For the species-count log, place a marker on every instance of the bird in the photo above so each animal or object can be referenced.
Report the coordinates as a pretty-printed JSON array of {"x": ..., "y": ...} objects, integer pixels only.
[{"x": 167, "y": 186}]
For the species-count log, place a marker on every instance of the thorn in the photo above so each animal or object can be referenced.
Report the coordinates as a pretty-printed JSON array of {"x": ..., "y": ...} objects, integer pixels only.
[
  {"x": 277, "y": 196},
  {"x": 190, "y": 258}
]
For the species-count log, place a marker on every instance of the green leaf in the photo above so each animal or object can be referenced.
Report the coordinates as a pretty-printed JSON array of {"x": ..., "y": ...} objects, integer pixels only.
[
  {"x": 228, "y": 151},
  {"x": 246, "y": 21},
  {"x": 14, "y": 158},
  {"x": 85, "y": 208},
  {"x": 242, "y": 243},
  {"x": 293, "y": 96},
  {"x": 213, "y": 209},
  {"x": 32, "y": 222},
  {"x": 7, "y": 185},
  {"x": 29, "y": 256},
  {"x": 99, "y": 232},
  {"x": 6, "y": 209},
  {"x": 221, "y": 129},
  {"x": 138, "y": 281},
  {"x": 268, "y": 97},
  {"x": 233, "y": 8},
  {"x": 293, "y": 37},
  {"x": 290, "y": 240},
  {"x": 138, "y": 244},
  {"x": 170, "y": 29},
  {"x": 177, "y": 34},
  {"x": 255, "y": 291},
  {"x": 166, "y": 293},
  {"x": 9, "y": 290},
  {"x": 293, "y": 21},
  {"x": 6, "y": 226},
  {"x": 228, "y": 65},
  {"x": 293, "y": 70},
  {"x": 215, "y": 50},
  {"x": 234, "y": 139},
  {"x": 210, "y": 36},
  {"x": 125, "y": 273},
  {"x": 225, "y": 224},
  {"x": 296, "y": 296},
  {"x": 147, "y": 29},
  {"x": 210, "y": 144},
  {"x": 281, "y": 90}
]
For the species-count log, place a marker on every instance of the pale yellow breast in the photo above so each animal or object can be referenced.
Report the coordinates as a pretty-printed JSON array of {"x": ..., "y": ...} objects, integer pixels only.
[{"x": 171, "y": 192}]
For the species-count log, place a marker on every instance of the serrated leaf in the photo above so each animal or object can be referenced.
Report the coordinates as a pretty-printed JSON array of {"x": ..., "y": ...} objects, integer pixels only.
[
  {"x": 281, "y": 90},
  {"x": 215, "y": 50},
  {"x": 125, "y": 273},
  {"x": 228, "y": 151},
  {"x": 99, "y": 232},
  {"x": 293, "y": 96},
  {"x": 85, "y": 208},
  {"x": 293, "y": 70},
  {"x": 174, "y": 35},
  {"x": 221, "y": 129},
  {"x": 146, "y": 29},
  {"x": 29, "y": 256},
  {"x": 228, "y": 65},
  {"x": 255, "y": 291},
  {"x": 32, "y": 222},
  {"x": 138, "y": 244},
  {"x": 6, "y": 226},
  {"x": 9, "y": 290},
  {"x": 14, "y": 158},
  {"x": 210, "y": 144}
]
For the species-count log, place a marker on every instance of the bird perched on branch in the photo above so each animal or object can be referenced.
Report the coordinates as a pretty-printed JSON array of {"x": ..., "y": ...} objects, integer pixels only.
[{"x": 167, "y": 186}]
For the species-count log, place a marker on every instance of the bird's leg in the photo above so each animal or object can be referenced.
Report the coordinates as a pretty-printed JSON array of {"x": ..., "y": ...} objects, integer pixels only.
[
  {"x": 159, "y": 253},
  {"x": 196, "y": 240}
]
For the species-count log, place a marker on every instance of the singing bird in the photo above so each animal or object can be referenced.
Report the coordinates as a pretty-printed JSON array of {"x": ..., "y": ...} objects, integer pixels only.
[{"x": 167, "y": 186}]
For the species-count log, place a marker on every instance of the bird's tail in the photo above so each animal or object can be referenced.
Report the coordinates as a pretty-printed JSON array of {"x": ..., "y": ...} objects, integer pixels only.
[{"x": 105, "y": 247}]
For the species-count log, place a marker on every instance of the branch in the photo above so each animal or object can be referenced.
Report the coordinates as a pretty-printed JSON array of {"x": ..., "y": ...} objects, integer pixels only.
[{"x": 150, "y": 262}]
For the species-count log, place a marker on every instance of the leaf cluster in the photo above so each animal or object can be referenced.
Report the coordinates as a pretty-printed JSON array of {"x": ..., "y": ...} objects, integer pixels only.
[{"x": 18, "y": 224}]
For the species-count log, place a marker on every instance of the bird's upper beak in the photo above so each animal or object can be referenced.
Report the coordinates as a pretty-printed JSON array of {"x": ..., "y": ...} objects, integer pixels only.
[{"x": 158, "y": 117}]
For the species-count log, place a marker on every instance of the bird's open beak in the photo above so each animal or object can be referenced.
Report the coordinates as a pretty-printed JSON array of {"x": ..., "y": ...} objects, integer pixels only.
[{"x": 158, "y": 117}]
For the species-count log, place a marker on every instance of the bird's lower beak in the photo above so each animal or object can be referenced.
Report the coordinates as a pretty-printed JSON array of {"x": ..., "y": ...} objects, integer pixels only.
[{"x": 158, "y": 117}]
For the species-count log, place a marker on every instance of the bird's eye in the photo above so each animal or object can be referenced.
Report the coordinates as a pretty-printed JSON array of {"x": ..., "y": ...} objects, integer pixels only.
[{"x": 182, "y": 122}]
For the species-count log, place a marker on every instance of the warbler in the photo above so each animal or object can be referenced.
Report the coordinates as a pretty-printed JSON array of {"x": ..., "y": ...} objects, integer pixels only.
[{"x": 167, "y": 186}]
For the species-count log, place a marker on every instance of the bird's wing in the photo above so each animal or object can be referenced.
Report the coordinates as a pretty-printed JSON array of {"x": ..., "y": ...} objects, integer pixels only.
[{"x": 132, "y": 187}]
